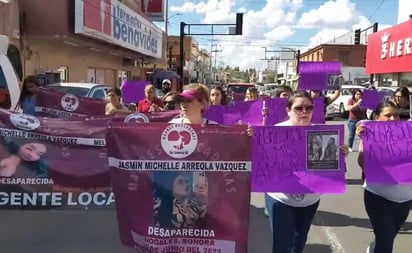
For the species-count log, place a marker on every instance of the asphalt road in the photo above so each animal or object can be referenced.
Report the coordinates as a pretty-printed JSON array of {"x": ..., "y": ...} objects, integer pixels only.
[{"x": 340, "y": 226}]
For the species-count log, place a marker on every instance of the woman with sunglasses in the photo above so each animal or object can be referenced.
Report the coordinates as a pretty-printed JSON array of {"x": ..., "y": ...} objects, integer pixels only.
[
  {"x": 170, "y": 101},
  {"x": 355, "y": 115},
  {"x": 291, "y": 215},
  {"x": 387, "y": 205},
  {"x": 401, "y": 99}
]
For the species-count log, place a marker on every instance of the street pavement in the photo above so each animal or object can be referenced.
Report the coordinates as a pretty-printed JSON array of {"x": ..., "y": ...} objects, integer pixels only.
[{"x": 340, "y": 226}]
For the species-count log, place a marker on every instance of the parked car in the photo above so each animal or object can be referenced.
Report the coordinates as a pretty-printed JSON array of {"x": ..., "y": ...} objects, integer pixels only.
[
  {"x": 237, "y": 91},
  {"x": 340, "y": 105},
  {"x": 91, "y": 90}
]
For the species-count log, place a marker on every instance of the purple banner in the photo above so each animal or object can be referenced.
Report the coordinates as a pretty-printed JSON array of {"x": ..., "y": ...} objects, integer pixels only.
[
  {"x": 292, "y": 159},
  {"x": 370, "y": 99},
  {"x": 250, "y": 112},
  {"x": 387, "y": 155},
  {"x": 315, "y": 75},
  {"x": 181, "y": 187},
  {"x": 133, "y": 91},
  {"x": 53, "y": 163}
]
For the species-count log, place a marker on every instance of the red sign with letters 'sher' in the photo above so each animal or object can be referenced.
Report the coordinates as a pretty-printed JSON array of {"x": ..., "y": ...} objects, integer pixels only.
[{"x": 390, "y": 50}]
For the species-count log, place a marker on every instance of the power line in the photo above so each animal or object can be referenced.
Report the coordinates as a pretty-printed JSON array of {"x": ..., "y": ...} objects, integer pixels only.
[{"x": 376, "y": 10}]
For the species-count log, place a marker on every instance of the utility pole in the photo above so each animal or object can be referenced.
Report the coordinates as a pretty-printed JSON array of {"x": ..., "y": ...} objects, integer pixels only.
[{"x": 213, "y": 66}]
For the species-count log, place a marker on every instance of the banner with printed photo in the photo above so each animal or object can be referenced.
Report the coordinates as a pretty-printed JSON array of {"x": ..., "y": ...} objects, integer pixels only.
[
  {"x": 181, "y": 188},
  {"x": 53, "y": 104},
  {"x": 53, "y": 163},
  {"x": 250, "y": 112},
  {"x": 293, "y": 159},
  {"x": 387, "y": 152}
]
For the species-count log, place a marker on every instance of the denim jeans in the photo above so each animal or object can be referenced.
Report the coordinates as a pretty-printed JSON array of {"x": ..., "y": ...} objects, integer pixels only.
[
  {"x": 289, "y": 225},
  {"x": 352, "y": 131},
  {"x": 386, "y": 218}
]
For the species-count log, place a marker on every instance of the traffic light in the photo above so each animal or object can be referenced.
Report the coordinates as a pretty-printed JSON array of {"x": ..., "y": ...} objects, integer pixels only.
[
  {"x": 357, "y": 36},
  {"x": 239, "y": 23},
  {"x": 375, "y": 27}
]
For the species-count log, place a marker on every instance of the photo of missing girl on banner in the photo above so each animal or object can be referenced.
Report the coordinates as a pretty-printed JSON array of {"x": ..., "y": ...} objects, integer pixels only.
[
  {"x": 23, "y": 158},
  {"x": 180, "y": 199},
  {"x": 322, "y": 150}
]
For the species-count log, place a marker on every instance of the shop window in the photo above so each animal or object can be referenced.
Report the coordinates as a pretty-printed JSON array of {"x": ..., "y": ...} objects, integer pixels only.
[{"x": 63, "y": 74}]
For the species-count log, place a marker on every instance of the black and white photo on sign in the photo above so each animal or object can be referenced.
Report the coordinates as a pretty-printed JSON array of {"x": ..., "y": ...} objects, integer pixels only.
[
  {"x": 410, "y": 107},
  {"x": 334, "y": 82},
  {"x": 322, "y": 150}
]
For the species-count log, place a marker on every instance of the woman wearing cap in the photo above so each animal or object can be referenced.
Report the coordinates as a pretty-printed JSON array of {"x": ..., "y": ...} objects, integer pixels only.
[
  {"x": 150, "y": 103},
  {"x": 193, "y": 102}
]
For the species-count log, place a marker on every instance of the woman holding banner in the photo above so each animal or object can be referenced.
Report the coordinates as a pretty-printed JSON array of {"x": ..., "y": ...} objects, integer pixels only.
[
  {"x": 387, "y": 205},
  {"x": 218, "y": 96},
  {"x": 291, "y": 215},
  {"x": 27, "y": 100}
]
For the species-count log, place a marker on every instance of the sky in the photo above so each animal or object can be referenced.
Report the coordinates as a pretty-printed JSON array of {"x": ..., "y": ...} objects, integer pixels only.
[{"x": 296, "y": 24}]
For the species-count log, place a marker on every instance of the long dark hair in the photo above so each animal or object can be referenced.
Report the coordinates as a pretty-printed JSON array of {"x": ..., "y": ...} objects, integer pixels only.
[
  {"x": 383, "y": 105},
  {"x": 224, "y": 100},
  {"x": 38, "y": 168},
  {"x": 24, "y": 92},
  {"x": 283, "y": 88},
  {"x": 354, "y": 93}
]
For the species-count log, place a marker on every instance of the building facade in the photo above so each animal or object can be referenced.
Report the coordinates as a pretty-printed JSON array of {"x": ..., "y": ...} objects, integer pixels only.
[
  {"x": 352, "y": 58},
  {"x": 389, "y": 55},
  {"x": 103, "y": 41}
]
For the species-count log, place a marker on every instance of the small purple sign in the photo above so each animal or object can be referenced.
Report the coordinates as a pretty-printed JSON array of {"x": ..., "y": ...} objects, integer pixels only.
[
  {"x": 370, "y": 99},
  {"x": 387, "y": 152},
  {"x": 293, "y": 159},
  {"x": 315, "y": 75},
  {"x": 133, "y": 91}
]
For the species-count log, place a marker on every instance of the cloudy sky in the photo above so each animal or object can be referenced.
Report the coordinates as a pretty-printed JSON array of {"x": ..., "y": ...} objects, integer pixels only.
[{"x": 276, "y": 23}]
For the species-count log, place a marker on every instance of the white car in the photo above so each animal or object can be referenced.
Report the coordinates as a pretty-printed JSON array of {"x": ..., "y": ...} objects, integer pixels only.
[
  {"x": 340, "y": 105},
  {"x": 91, "y": 90}
]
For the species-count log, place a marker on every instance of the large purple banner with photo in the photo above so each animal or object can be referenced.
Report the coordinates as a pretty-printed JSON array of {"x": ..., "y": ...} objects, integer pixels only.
[
  {"x": 315, "y": 75},
  {"x": 387, "y": 155},
  {"x": 53, "y": 163},
  {"x": 250, "y": 112},
  {"x": 293, "y": 159},
  {"x": 181, "y": 188}
]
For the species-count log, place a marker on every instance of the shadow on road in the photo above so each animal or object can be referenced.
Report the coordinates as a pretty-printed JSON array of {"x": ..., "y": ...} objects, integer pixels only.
[
  {"x": 330, "y": 219},
  {"x": 317, "y": 248},
  {"x": 259, "y": 231}
]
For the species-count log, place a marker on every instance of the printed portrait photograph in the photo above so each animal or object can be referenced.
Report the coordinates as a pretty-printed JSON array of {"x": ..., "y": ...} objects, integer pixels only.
[
  {"x": 334, "y": 82},
  {"x": 322, "y": 150},
  {"x": 23, "y": 158},
  {"x": 180, "y": 199}
]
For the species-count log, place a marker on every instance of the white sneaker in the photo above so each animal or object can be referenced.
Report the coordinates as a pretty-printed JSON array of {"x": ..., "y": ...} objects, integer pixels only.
[{"x": 266, "y": 212}]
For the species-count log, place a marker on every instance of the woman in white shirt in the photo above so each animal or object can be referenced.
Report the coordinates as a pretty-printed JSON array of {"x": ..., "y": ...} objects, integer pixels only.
[
  {"x": 291, "y": 215},
  {"x": 387, "y": 205}
]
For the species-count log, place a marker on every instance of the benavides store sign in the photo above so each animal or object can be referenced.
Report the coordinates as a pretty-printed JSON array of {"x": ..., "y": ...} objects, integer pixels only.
[
  {"x": 390, "y": 50},
  {"x": 114, "y": 22}
]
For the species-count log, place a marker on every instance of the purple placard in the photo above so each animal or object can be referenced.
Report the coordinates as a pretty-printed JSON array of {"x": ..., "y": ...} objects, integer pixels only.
[
  {"x": 298, "y": 160},
  {"x": 315, "y": 75},
  {"x": 318, "y": 116},
  {"x": 276, "y": 110},
  {"x": 387, "y": 152},
  {"x": 370, "y": 99},
  {"x": 223, "y": 114},
  {"x": 319, "y": 66},
  {"x": 250, "y": 112},
  {"x": 133, "y": 91}
]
